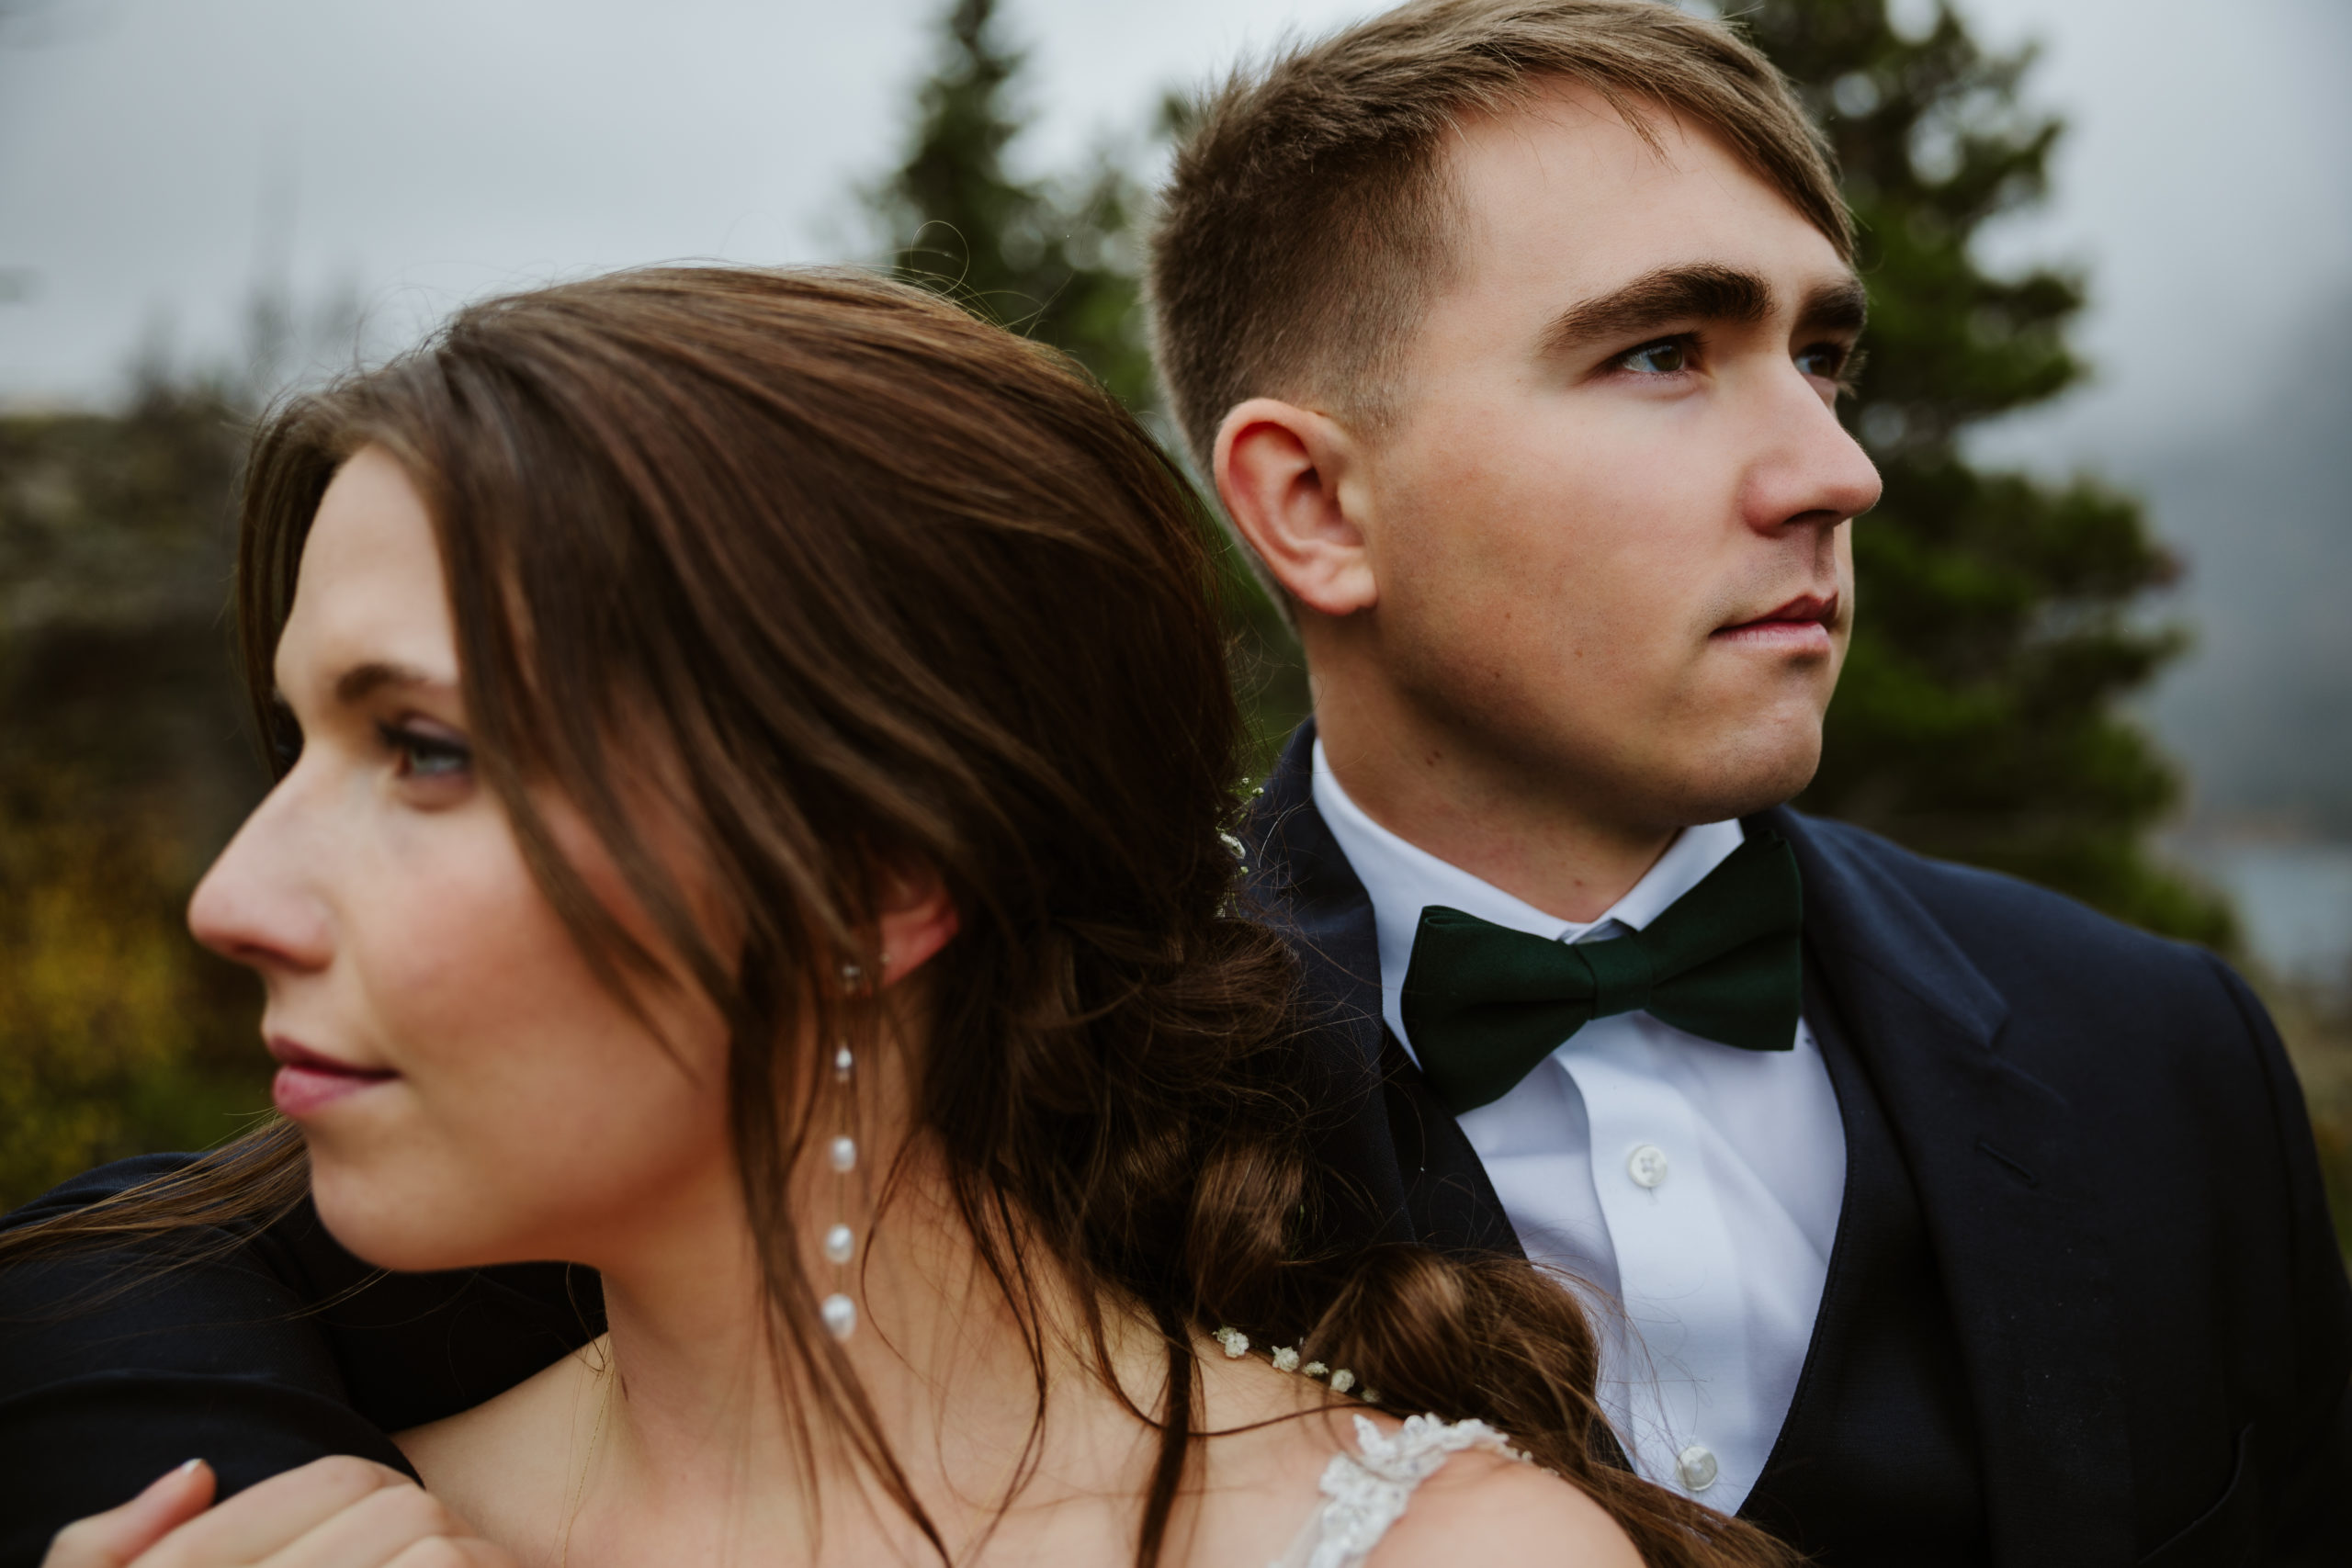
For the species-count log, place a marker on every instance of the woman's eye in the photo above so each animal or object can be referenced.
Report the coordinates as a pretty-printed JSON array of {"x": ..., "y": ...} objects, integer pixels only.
[
  {"x": 285, "y": 742},
  {"x": 1661, "y": 358},
  {"x": 422, "y": 756}
]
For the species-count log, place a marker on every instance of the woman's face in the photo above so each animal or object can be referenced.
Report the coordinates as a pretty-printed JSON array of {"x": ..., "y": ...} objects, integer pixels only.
[{"x": 471, "y": 1093}]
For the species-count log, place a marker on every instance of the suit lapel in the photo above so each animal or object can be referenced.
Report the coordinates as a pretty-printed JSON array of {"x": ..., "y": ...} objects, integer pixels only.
[
  {"x": 2006, "y": 1201},
  {"x": 1397, "y": 1150}
]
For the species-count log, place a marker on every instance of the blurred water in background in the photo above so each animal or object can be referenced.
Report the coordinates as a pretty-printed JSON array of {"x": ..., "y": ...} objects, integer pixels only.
[
  {"x": 2260, "y": 713},
  {"x": 2293, "y": 900}
]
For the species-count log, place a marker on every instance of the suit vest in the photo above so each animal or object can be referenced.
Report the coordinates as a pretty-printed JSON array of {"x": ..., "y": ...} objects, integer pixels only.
[{"x": 1876, "y": 1462}]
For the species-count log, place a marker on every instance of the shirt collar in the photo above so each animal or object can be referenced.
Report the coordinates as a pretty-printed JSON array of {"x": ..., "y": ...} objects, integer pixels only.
[{"x": 1403, "y": 878}]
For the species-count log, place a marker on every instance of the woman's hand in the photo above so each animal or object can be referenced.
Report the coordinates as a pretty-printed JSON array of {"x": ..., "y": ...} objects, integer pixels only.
[{"x": 332, "y": 1512}]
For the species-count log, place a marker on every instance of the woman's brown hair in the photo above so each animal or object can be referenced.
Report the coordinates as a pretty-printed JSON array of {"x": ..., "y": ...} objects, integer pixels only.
[{"x": 863, "y": 584}]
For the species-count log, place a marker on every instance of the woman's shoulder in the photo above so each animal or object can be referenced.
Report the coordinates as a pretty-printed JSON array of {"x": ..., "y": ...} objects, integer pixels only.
[
  {"x": 491, "y": 1462},
  {"x": 1390, "y": 1492},
  {"x": 1480, "y": 1499},
  {"x": 539, "y": 1404}
]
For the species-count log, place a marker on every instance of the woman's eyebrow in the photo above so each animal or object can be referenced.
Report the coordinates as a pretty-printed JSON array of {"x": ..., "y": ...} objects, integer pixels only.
[{"x": 363, "y": 681}]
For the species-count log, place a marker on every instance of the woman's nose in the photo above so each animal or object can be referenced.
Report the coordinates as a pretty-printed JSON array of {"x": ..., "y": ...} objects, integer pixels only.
[{"x": 259, "y": 905}]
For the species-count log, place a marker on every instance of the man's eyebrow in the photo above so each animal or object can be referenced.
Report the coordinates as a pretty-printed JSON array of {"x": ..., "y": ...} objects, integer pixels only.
[
  {"x": 1839, "y": 307},
  {"x": 363, "y": 681},
  {"x": 1703, "y": 291}
]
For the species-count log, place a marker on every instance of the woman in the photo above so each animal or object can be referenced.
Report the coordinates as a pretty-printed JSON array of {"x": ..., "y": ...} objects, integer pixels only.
[{"x": 756, "y": 747}]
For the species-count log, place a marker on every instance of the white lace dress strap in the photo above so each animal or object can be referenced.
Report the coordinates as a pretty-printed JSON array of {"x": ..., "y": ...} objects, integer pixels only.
[{"x": 1365, "y": 1492}]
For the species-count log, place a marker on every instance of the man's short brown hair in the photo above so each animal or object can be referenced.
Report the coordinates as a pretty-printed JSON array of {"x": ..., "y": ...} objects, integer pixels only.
[{"x": 1306, "y": 221}]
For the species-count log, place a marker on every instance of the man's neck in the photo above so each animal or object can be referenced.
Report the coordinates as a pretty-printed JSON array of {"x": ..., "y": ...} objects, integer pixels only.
[{"x": 1484, "y": 814}]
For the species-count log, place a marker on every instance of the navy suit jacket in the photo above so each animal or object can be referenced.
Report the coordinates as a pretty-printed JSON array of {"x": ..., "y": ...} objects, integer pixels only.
[{"x": 2113, "y": 1159}]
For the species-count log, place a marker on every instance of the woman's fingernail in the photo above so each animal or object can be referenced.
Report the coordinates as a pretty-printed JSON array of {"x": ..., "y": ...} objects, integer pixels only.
[{"x": 174, "y": 1473}]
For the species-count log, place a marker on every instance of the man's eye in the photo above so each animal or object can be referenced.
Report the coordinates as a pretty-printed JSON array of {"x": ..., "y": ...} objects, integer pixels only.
[
  {"x": 1830, "y": 361},
  {"x": 1661, "y": 358},
  {"x": 422, "y": 756}
]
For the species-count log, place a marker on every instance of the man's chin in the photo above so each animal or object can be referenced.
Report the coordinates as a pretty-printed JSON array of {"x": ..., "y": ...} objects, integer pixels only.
[{"x": 1736, "y": 776}]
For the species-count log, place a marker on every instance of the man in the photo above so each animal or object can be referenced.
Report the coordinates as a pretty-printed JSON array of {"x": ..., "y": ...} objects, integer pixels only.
[{"x": 1928, "y": 1217}]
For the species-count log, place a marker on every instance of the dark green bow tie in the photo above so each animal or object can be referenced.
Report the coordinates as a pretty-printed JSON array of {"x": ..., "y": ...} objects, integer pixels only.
[{"x": 1483, "y": 1004}]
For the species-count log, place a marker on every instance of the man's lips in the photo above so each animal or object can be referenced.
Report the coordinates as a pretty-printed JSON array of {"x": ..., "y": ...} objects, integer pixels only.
[
  {"x": 307, "y": 1081},
  {"x": 1802, "y": 623}
]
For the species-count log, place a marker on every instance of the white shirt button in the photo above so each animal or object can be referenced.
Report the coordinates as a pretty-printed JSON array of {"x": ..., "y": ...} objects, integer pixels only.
[
  {"x": 1647, "y": 1164},
  {"x": 1696, "y": 1466}
]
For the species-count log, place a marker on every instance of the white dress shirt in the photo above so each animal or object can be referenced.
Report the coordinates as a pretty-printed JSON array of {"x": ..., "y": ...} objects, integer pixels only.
[{"x": 1690, "y": 1189}]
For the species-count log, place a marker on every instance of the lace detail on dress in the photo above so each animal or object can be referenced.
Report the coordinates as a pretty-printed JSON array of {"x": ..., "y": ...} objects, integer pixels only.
[{"x": 1366, "y": 1492}]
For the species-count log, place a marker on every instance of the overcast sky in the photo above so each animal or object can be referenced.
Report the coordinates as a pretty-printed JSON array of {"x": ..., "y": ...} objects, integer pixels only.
[{"x": 159, "y": 156}]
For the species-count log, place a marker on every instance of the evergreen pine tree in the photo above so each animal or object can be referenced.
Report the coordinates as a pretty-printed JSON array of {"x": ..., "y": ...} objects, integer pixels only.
[
  {"x": 1051, "y": 258},
  {"x": 1057, "y": 259}
]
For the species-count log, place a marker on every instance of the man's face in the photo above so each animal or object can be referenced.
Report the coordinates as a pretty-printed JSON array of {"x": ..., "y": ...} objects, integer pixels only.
[{"x": 1607, "y": 523}]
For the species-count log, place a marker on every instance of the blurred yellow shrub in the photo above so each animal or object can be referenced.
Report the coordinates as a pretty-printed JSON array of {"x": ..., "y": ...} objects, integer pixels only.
[{"x": 115, "y": 1031}]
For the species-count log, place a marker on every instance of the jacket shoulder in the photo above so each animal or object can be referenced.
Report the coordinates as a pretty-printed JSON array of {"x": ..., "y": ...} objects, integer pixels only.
[
  {"x": 2011, "y": 929},
  {"x": 203, "y": 1299},
  {"x": 276, "y": 1311}
]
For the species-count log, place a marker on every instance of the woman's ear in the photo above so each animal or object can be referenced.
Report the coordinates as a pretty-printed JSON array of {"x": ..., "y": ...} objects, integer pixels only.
[
  {"x": 1285, "y": 475},
  {"x": 916, "y": 918}
]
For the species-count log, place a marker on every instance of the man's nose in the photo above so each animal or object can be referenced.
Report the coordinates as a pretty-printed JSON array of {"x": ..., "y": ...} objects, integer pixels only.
[
  {"x": 259, "y": 904},
  {"x": 1809, "y": 469}
]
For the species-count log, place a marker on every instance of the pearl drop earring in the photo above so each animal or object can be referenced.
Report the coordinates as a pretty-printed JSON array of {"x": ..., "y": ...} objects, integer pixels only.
[{"x": 838, "y": 1311}]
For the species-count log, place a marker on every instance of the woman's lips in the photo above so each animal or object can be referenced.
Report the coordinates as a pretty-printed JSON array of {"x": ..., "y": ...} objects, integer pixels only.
[{"x": 308, "y": 1082}]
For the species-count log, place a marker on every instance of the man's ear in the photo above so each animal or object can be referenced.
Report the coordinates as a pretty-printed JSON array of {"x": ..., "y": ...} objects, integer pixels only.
[{"x": 1285, "y": 474}]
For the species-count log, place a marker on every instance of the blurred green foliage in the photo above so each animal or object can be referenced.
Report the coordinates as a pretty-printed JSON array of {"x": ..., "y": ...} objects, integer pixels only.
[{"x": 122, "y": 768}]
